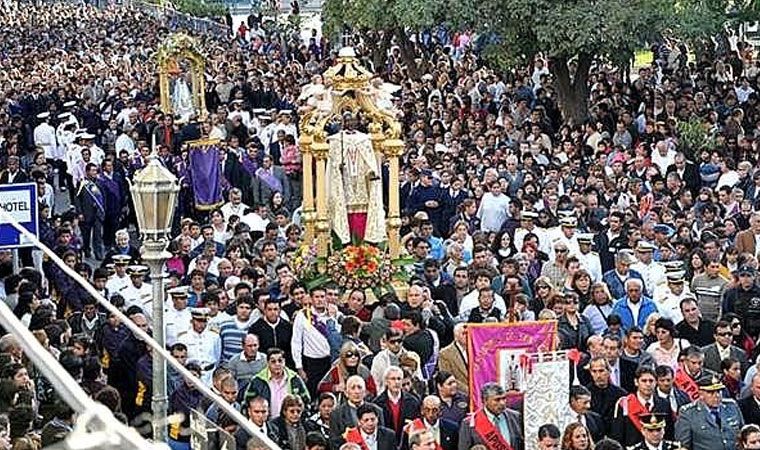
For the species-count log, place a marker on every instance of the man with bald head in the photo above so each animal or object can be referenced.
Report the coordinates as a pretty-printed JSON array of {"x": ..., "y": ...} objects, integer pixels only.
[
  {"x": 344, "y": 416},
  {"x": 445, "y": 432}
]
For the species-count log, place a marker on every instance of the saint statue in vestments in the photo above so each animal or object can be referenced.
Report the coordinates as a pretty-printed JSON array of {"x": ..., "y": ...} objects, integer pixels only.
[{"x": 355, "y": 190}]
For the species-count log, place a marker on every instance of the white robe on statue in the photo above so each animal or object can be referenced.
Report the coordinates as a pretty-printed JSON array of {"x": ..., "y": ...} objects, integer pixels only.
[{"x": 350, "y": 189}]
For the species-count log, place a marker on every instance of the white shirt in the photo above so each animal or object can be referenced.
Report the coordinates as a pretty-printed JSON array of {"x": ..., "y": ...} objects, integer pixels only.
[
  {"x": 472, "y": 301},
  {"x": 204, "y": 347},
  {"x": 493, "y": 211},
  {"x": 116, "y": 283},
  {"x": 635, "y": 307},
  {"x": 44, "y": 137},
  {"x": 233, "y": 210},
  {"x": 176, "y": 322},
  {"x": 124, "y": 142},
  {"x": 370, "y": 440},
  {"x": 307, "y": 340}
]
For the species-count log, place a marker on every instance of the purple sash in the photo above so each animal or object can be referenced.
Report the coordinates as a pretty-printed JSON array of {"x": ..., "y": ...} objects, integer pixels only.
[
  {"x": 249, "y": 164},
  {"x": 269, "y": 178}
]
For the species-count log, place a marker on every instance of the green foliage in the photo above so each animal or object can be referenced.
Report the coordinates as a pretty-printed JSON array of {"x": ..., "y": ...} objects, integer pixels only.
[
  {"x": 693, "y": 137},
  {"x": 201, "y": 8},
  {"x": 376, "y": 15}
]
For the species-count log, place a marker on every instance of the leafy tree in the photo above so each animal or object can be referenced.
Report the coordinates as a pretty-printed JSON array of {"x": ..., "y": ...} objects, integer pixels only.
[
  {"x": 200, "y": 8},
  {"x": 382, "y": 23},
  {"x": 571, "y": 34}
]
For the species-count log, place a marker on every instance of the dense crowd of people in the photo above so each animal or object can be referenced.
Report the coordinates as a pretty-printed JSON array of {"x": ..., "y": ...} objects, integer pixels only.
[{"x": 637, "y": 231}]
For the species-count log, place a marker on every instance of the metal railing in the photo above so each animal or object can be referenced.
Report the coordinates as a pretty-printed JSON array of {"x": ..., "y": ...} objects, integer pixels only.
[{"x": 73, "y": 394}]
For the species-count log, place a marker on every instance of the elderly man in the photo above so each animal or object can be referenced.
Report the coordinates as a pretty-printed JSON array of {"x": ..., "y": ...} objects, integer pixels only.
[
  {"x": 616, "y": 278},
  {"x": 494, "y": 422},
  {"x": 345, "y": 415},
  {"x": 399, "y": 407},
  {"x": 445, "y": 432},
  {"x": 711, "y": 422},
  {"x": 634, "y": 308},
  {"x": 453, "y": 358},
  {"x": 249, "y": 362}
]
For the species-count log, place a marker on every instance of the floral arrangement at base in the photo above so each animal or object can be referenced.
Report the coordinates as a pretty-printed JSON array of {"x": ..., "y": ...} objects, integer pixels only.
[
  {"x": 360, "y": 267},
  {"x": 304, "y": 261},
  {"x": 357, "y": 266}
]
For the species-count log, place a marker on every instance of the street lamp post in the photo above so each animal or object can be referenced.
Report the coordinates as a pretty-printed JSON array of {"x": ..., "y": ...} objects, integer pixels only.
[{"x": 154, "y": 194}]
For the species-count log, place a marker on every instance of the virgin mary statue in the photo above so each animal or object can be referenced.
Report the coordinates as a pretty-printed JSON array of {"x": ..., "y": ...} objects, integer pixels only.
[
  {"x": 182, "y": 100},
  {"x": 355, "y": 190}
]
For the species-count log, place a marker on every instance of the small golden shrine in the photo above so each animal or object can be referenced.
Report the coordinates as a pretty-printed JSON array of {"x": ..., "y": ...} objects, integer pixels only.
[
  {"x": 348, "y": 88},
  {"x": 178, "y": 98}
]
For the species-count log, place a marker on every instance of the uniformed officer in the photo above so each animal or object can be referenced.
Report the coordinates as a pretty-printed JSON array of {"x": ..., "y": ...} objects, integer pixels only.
[
  {"x": 119, "y": 280},
  {"x": 176, "y": 314},
  {"x": 285, "y": 123},
  {"x": 268, "y": 131},
  {"x": 653, "y": 429},
  {"x": 652, "y": 272},
  {"x": 528, "y": 225},
  {"x": 44, "y": 136},
  {"x": 565, "y": 233},
  {"x": 711, "y": 422},
  {"x": 203, "y": 344},
  {"x": 589, "y": 259},
  {"x": 137, "y": 292},
  {"x": 668, "y": 298}
]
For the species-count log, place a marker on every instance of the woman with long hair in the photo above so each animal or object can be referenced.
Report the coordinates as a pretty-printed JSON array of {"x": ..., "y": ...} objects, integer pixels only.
[
  {"x": 577, "y": 437},
  {"x": 741, "y": 339},
  {"x": 599, "y": 308},
  {"x": 545, "y": 294},
  {"x": 503, "y": 246},
  {"x": 696, "y": 264},
  {"x": 580, "y": 284},
  {"x": 748, "y": 437},
  {"x": 731, "y": 377},
  {"x": 348, "y": 363}
]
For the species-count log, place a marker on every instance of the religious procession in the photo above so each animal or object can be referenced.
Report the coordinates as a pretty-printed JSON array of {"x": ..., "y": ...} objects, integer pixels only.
[{"x": 301, "y": 239}]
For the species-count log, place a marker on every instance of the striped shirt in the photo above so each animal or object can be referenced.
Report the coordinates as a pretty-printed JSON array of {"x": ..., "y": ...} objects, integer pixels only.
[{"x": 232, "y": 334}]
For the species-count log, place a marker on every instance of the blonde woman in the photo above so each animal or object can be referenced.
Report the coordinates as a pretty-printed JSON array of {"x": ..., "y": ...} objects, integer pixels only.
[{"x": 599, "y": 308}]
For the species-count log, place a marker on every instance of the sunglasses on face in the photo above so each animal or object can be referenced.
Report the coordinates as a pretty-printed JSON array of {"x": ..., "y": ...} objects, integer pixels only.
[{"x": 351, "y": 355}]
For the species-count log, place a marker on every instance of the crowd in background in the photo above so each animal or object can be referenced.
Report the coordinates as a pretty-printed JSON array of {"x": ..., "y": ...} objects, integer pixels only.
[{"x": 637, "y": 230}]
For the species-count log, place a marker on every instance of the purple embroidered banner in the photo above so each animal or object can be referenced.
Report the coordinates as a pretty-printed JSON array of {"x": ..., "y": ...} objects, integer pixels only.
[
  {"x": 206, "y": 174},
  {"x": 485, "y": 341}
]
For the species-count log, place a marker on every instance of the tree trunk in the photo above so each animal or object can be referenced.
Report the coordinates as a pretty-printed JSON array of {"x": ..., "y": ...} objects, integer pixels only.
[
  {"x": 380, "y": 51},
  {"x": 573, "y": 92},
  {"x": 407, "y": 53}
]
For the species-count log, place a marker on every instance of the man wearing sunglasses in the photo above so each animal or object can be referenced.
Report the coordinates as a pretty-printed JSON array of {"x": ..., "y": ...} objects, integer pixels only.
[{"x": 723, "y": 348}]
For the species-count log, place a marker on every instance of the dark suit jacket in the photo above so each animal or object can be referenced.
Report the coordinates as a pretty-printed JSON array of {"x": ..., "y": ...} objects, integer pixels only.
[
  {"x": 341, "y": 418},
  {"x": 469, "y": 437},
  {"x": 386, "y": 439},
  {"x": 596, "y": 426},
  {"x": 625, "y": 432},
  {"x": 750, "y": 410},
  {"x": 410, "y": 410},
  {"x": 448, "y": 432},
  {"x": 712, "y": 357},
  {"x": 627, "y": 374},
  {"x": 690, "y": 176},
  {"x": 21, "y": 177}
]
